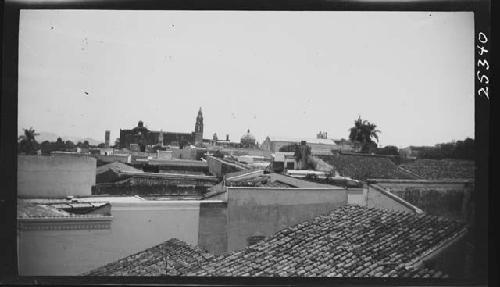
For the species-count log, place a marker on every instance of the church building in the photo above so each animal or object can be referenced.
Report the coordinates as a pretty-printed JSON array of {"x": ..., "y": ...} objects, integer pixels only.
[{"x": 142, "y": 136}]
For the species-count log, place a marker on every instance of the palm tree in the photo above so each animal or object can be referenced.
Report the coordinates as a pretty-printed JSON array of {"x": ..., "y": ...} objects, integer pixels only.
[
  {"x": 363, "y": 132},
  {"x": 27, "y": 143}
]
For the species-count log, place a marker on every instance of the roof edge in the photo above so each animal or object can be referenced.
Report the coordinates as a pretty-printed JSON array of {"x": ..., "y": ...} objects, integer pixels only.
[
  {"x": 437, "y": 250},
  {"x": 397, "y": 198}
]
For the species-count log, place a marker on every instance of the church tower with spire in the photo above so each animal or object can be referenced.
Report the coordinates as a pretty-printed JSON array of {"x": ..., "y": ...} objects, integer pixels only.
[{"x": 198, "y": 129}]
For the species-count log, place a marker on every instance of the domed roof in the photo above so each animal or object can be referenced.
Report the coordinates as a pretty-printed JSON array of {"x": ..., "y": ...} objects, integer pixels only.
[{"x": 247, "y": 137}]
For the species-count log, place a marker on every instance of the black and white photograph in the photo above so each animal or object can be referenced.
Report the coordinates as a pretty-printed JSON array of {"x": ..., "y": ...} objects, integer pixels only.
[{"x": 219, "y": 143}]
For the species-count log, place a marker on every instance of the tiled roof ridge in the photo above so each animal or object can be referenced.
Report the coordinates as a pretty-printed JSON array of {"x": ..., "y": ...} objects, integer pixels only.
[
  {"x": 440, "y": 246},
  {"x": 120, "y": 261}
]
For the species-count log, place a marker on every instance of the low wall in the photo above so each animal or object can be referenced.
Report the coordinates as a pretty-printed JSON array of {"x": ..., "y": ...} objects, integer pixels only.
[
  {"x": 448, "y": 198},
  {"x": 165, "y": 155},
  {"x": 219, "y": 168},
  {"x": 375, "y": 196},
  {"x": 105, "y": 159},
  {"x": 55, "y": 176},
  {"x": 253, "y": 211},
  {"x": 188, "y": 153},
  {"x": 135, "y": 226}
]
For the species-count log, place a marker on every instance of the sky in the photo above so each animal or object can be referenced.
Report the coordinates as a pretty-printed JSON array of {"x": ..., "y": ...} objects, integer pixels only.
[{"x": 279, "y": 74}]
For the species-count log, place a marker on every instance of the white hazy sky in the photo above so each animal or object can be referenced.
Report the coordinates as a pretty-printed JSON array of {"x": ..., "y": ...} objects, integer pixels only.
[{"x": 286, "y": 74}]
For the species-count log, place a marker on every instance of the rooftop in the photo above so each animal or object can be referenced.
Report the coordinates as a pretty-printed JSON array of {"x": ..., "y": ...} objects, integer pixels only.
[
  {"x": 328, "y": 141},
  {"x": 257, "y": 178},
  {"x": 442, "y": 169},
  {"x": 361, "y": 167},
  {"x": 177, "y": 162},
  {"x": 171, "y": 258},
  {"x": 60, "y": 208},
  {"x": 116, "y": 167},
  {"x": 352, "y": 241}
]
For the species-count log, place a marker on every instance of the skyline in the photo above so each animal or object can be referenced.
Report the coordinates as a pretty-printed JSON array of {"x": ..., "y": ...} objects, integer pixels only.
[{"x": 248, "y": 71}]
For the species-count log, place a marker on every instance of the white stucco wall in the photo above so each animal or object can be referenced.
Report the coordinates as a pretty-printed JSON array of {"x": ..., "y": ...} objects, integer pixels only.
[
  {"x": 264, "y": 211},
  {"x": 135, "y": 226},
  {"x": 55, "y": 175}
]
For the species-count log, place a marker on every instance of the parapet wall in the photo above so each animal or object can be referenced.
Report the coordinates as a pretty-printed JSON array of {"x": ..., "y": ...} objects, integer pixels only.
[
  {"x": 375, "y": 196},
  {"x": 105, "y": 159},
  {"x": 55, "y": 176},
  {"x": 448, "y": 198},
  {"x": 254, "y": 211}
]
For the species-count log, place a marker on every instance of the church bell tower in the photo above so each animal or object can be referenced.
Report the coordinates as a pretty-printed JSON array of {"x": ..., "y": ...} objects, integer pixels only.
[{"x": 198, "y": 129}]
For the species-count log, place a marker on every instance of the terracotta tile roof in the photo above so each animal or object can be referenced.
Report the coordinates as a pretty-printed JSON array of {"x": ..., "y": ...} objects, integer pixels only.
[
  {"x": 111, "y": 171},
  {"x": 55, "y": 209},
  {"x": 442, "y": 169},
  {"x": 352, "y": 241},
  {"x": 259, "y": 179},
  {"x": 362, "y": 167},
  {"x": 39, "y": 210},
  {"x": 168, "y": 258}
]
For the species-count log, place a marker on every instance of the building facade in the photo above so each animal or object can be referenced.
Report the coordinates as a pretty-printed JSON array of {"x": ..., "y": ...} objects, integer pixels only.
[{"x": 141, "y": 136}]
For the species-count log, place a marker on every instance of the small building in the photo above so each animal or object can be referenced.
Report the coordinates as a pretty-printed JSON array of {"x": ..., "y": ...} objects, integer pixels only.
[
  {"x": 319, "y": 146},
  {"x": 106, "y": 151},
  {"x": 164, "y": 154},
  {"x": 282, "y": 161}
]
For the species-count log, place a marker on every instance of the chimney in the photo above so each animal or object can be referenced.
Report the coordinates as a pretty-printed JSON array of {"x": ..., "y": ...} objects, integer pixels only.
[{"x": 227, "y": 137}]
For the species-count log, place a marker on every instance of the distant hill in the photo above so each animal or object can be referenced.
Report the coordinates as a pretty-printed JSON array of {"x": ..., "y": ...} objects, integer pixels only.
[{"x": 48, "y": 136}]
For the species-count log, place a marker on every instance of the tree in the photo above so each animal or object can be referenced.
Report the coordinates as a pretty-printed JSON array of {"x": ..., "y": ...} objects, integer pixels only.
[
  {"x": 364, "y": 132},
  {"x": 27, "y": 143},
  {"x": 456, "y": 149},
  {"x": 388, "y": 150}
]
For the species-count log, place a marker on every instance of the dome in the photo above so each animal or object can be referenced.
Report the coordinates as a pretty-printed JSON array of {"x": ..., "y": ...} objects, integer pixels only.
[{"x": 248, "y": 139}]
